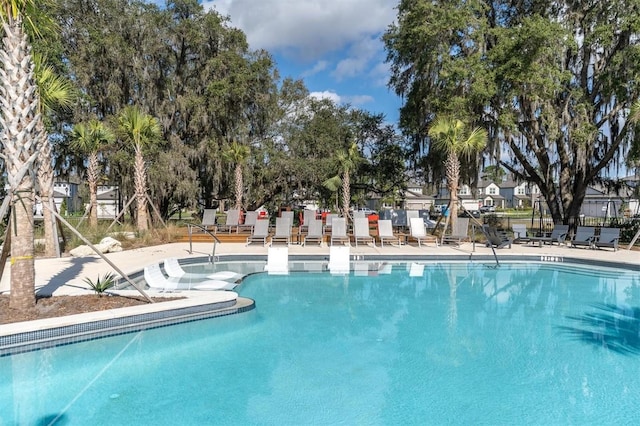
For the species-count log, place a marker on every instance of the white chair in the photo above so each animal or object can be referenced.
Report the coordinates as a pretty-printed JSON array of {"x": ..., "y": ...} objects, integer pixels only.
[
  {"x": 283, "y": 230},
  {"x": 339, "y": 230},
  {"x": 157, "y": 281},
  {"x": 277, "y": 261},
  {"x": 315, "y": 232},
  {"x": 419, "y": 232},
  {"x": 260, "y": 232},
  {"x": 385, "y": 233},
  {"x": 339, "y": 260},
  {"x": 209, "y": 219},
  {"x": 174, "y": 270},
  {"x": 250, "y": 219},
  {"x": 232, "y": 221},
  {"x": 361, "y": 231}
]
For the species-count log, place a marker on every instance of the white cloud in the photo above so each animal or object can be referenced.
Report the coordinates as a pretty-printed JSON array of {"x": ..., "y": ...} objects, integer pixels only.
[
  {"x": 360, "y": 54},
  {"x": 318, "y": 67},
  {"x": 327, "y": 94},
  {"x": 307, "y": 28}
]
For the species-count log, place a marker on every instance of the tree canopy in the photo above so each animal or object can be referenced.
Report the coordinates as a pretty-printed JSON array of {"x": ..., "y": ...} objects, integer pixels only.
[{"x": 552, "y": 82}]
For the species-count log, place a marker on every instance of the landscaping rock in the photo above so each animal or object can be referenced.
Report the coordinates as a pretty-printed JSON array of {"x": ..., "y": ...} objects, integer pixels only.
[{"x": 106, "y": 245}]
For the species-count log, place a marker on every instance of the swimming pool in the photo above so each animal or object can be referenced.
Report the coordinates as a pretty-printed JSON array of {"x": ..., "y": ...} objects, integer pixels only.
[{"x": 436, "y": 343}]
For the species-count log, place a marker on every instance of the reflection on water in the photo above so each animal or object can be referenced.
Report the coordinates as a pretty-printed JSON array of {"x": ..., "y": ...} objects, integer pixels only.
[{"x": 612, "y": 327}]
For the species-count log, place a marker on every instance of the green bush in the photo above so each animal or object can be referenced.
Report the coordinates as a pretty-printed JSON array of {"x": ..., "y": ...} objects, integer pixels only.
[{"x": 100, "y": 285}]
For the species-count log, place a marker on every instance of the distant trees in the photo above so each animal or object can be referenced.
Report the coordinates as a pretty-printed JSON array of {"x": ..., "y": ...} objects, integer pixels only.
[{"x": 552, "y": 81}]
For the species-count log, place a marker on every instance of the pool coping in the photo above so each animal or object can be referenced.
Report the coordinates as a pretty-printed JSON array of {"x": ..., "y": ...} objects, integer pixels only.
[{"x": 45, "y": 333}]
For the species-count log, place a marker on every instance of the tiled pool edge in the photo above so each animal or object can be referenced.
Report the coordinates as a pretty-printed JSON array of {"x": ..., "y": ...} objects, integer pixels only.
[{"x": 47, "y": 337}]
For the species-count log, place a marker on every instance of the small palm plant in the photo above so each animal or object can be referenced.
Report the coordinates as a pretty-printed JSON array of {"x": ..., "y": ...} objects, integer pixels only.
[{"x": 100, "y": 285}]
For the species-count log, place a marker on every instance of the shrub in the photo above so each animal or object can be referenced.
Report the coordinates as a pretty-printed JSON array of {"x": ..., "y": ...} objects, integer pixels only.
[{"x": 100, "y": 285}]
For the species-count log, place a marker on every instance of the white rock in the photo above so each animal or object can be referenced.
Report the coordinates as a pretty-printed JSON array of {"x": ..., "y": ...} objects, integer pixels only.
[{"x": 107, "y": 245}]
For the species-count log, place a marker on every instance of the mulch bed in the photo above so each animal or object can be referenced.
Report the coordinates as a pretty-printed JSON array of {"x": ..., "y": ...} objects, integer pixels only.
[{"x": 59, "y": 306}]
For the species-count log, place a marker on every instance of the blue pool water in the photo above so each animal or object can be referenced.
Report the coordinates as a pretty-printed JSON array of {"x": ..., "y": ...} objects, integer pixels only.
[{"x": 457, "y": 344}]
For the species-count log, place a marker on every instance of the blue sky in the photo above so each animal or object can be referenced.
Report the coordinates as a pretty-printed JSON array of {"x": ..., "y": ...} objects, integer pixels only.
[{"x": 333, "y": 45}]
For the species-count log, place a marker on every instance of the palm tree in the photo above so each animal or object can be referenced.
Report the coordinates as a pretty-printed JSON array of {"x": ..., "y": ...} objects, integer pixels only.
[
  {"x": 139, "y": 130},
  {"x": 54, "y": 91},
  {"x": 348, "y": 160},
  {"x": 19, "y": 136},
  {"x": 451, "y": 136},
  {"x": 237, "y": 154},
  {"x": 89, "y": 139}
]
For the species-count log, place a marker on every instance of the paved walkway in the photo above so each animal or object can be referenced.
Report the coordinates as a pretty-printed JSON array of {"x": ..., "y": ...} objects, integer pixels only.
[{"x": 66, "y": 275}]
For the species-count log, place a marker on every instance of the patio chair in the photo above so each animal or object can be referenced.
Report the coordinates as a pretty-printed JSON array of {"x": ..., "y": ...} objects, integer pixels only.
[
  {"x": 520, "y": 234},
  {"x": 260, "y": 232},
  {"x": 277, "y": 260},
  {"x": 585, "y": 237},
  {"x": 608, "y": 238},
  {"x": 361, "y": 231},
  {"x": 209, "y": 219},
  {"x": 339, "y": 260},
  {"x": 385, "y": 233},
  {"x": 232, "y": 221},
  {"x": 307, "y": 216},
  {"x": 459, "y": 232},
  {"x": 250, "y": 219},
  {"x": 339, "y": 230},
  {"x": 328, "y": 221},
  {"x": 315, "y": 232},
  {"x": 283, "y": 231},
  {"x": 174, "y": 270},
  {"x": 156, "y": 280},
  {"x": 559, "y": 234},
  {"x": 418, "y": 232},
  {"x": 496, "y": 238}
]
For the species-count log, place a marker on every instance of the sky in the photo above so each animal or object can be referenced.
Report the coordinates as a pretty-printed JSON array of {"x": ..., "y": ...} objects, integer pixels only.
[{"x": 334, "y": 46}]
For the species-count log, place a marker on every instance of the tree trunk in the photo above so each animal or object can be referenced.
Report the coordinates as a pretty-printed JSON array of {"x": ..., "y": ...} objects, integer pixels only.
[
  {"x": 346, "y": 194},
  {"x": 92, "y": 182},
  {"x": 140, "y": 182},
  {"x": 239, "y": 186},
  {"x": 19, "y": 136},
  {"x": 453, "y": 175},
  {"x": 45, "y": 179}
]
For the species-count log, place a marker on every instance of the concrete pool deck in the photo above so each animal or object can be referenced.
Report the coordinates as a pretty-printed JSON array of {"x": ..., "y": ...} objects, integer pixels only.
[{"x": 66, "y": 275}]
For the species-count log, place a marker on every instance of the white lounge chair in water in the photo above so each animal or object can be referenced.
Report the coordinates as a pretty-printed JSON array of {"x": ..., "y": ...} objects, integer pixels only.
[
  {"x": 277, "y": 261},
  {"x": 174, "y": 270},
  {"x": 339, "y": 260},
  {"x": 157, "y": 281}
]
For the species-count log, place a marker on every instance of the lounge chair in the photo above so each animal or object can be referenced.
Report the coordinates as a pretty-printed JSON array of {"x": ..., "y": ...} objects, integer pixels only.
[
  {"x": 315, "y": 232},
  {"x": 232, "y": 221},
  {"x": 361, "y": 231},
  {"x": 174, "y": 270},
  {"x": 260, "y": 232},
  {"x": 608, "y": 238},
  {"x": 520, "y": 234},
  {"x": 385, "y": 233},
  {"x": 459, "y": 232},
  {"x": 496, "y": 238},
  {"x": 585, "y": 236},
  {"x": 328, "y": 221},
  {"x": 283, "y": 231},
  {"x": 339, "y": 230},
  {"x": 209, "y": 219},
  {"x": 277, "y": 260},
  {"x": 307, "y": 216},
  {"x": 419, "y": 232},
  {"x": 559, "y": 234},
  {"x": 250, "y": 219},
  {"x": 339, "y": 260},
  {"x": 157, "y": 281}
]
